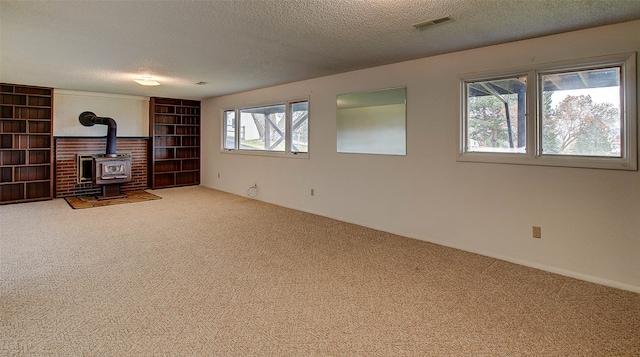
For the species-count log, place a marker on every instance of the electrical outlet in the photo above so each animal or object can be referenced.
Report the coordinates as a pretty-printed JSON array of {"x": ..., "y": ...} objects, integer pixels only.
[
  {"x": 537, "y": 232},
  {"x": 313, "y": 192}
]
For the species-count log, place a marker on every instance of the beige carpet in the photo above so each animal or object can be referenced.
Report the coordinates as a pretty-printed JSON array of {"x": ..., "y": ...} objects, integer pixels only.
[{"x": 204, "y": 273}]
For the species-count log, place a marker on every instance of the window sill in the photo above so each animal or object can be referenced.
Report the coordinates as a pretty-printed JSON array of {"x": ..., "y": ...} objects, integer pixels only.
[
  {"x": 585, "y": 162},
  {"x": 285, "y": 155}
]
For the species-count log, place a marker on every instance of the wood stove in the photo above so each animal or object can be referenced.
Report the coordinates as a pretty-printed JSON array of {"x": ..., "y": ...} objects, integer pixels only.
[
  {"x": 110, "y": 169},
  {"x": 108, "y": 172}
]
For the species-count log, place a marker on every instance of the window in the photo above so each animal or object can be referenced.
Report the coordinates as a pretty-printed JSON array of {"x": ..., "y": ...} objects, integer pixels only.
[
  {"x": 229, "y": 132},
  {"x": 276, "y": 129},
  {"x": 299, "y": 127},
  {"x": 578, "y": 115},
  {"x": 581, "y": 114},
  {"x": 496, "y": 120},
  {"x": 263, "y": 128}
]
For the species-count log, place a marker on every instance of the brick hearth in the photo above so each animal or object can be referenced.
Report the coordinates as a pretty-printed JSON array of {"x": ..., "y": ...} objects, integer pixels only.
[{"x": 67, "y": 149}]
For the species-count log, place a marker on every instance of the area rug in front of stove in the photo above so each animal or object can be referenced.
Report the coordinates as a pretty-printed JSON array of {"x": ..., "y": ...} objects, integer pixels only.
[{"x": 80, "y": 202}]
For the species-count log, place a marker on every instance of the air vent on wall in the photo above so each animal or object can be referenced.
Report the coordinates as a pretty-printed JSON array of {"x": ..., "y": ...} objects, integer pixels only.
[{"x": 424, "y": 25}]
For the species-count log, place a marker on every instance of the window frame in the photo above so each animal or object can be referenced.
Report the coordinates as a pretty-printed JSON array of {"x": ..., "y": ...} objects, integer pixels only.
[
  {"x": 287, "y": 152},
  {"x": 493, "y": 156},
  {"x": 534, "y": 154},
  {"x": 224, "y": 129},
  {"x": 290, "y": 128}
]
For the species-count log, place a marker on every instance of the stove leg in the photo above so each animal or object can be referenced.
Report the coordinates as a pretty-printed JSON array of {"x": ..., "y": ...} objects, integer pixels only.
[{"x": 110, "y": 192}]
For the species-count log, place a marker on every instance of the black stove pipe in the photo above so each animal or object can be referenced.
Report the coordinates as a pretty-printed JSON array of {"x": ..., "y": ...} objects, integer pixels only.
[{"x": 89, "y": 119}]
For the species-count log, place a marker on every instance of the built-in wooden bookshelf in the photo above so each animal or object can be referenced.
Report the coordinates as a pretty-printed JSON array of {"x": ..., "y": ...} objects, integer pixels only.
[
  {"x": 25, "y": 143},
  {"x": 175, "y": 148}
]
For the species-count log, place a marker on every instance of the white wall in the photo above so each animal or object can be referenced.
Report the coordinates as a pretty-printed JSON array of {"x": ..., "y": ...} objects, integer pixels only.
[
  {"x": 131, "y": 113},
  {"x": 590, "y": 218}
]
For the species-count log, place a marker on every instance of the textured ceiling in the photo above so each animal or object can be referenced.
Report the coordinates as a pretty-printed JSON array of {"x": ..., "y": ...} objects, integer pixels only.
[{"x": 239, "y": 45}]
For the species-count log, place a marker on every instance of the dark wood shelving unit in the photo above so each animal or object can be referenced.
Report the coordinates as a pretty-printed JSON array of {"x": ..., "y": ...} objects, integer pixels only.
[
  {"x": 25, "y": 143},
  {"x": 175, "y": 145}
]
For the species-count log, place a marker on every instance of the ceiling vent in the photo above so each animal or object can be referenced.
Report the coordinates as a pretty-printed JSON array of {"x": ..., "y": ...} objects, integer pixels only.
[{"x": 424, "y": 25}]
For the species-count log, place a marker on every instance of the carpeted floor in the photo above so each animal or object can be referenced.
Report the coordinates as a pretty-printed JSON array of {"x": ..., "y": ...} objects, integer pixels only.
[{"x": 205, "y": 273}]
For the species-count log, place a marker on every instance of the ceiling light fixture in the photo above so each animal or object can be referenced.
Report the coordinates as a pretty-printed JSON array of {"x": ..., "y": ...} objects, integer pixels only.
[
  {"x": 424, "y": 25},
  {"x": 147, "y": 81}
]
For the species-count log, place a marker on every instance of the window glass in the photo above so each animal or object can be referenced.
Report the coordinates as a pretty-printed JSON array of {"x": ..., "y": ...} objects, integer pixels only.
[
  {"x": 263, "y": 128},
  {"x": 299, "y": 127},
  {"x": 496, "y": 115},
  {"x": 581, "y": 113},
  {"x": 229, "y": 140}
]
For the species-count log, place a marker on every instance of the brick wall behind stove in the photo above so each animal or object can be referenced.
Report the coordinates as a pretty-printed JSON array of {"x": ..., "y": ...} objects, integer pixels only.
[{"x": 66, "y": 154}]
